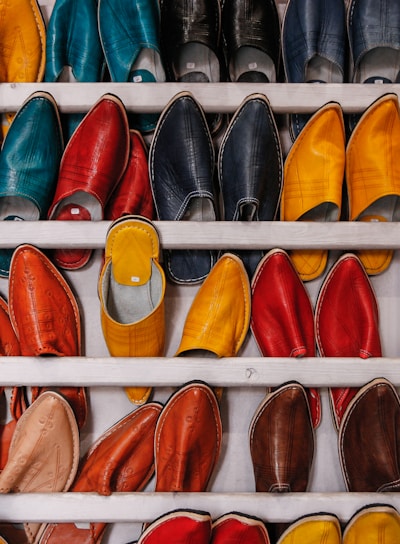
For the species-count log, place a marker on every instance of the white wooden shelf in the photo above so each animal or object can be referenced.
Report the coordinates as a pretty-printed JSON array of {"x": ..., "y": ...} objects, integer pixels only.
[
  {"x": 214, "y": 97},
  {"x": 174, "y": 371},
  {"x": 147, "y": 506},
  {"x": 341, "y": 235}
]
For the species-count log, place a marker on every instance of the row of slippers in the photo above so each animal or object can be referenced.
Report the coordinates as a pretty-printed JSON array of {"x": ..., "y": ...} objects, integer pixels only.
[
  {"x": 180, "y": 443},
  {"x": 106, "y": 171}
]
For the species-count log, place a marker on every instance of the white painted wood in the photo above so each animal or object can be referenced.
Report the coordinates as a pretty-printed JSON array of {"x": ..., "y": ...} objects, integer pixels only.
[
  {"x": 145, "y": 507},
  {"x": 170, "y": 372},
  {"x": 213, "y": 97},
  {"x": 211, "y": 235}
]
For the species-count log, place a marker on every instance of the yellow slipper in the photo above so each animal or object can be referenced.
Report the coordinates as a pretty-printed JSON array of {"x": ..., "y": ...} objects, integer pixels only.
[
  {"x": 131, "y": 291},
  {"x": 313, "y": 181},
  {"x": 373, "y": 173}
]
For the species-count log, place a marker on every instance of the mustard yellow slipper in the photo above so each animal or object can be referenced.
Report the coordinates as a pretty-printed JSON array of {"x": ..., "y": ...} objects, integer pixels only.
[
  {"x": 314, "y": 529},
  {"x": 131, "y": 291},
  {"x": 313, "y": 181},
  {"x": 372, "y": 524},
  {"x": 373, "y": 173}
]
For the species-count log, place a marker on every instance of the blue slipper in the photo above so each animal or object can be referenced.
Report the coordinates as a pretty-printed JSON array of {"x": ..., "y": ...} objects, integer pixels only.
[
  {"x": 129, "y": 33},
  {"x": 29, "y": 163}
]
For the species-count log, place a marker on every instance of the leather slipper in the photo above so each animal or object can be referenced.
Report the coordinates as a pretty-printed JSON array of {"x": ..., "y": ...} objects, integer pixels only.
[
  {"x": 350, "y": 329},
  {"x": 44, "y": 452},
  {"x": 92, "y": 165},
  {"x": 373, "y": 523},
  {"x": 373, "y": 173},
  {"x": 179, "y": 527},
  {"x": 131, "y": 290},
  {"x": 187, "y": 441},
  {"x": 236, "y": 528},
  {"x": 313, "y": 180},
  {"x": 122, "y": 460}
]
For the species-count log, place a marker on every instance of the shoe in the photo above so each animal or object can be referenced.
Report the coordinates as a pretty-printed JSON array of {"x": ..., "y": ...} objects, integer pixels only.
[
  {"x": 373, "y": 173},
  {"x": 346, "y": 330},
  {"x": 237, "y": 528},
  {"x": 187, "y": 441},
  {"x": 92, "y": 165},
  {"x": 282, "y": 441},
  {"x": 179, "y": 527},
  {"x": 181, "y": 163},
  {"x": 131, "y": 290},
  {"x": 191, "y": 45},
  {"x": 314, "y": 175},
  {"x": 121, "y": 460},
  {"x": 373, "y": 523},
  {"x": 373, "y": 29},
  {"x": 282, "y": 317},
  {"x": 45, "y": 316},
  {"x": 313, "y": 47},
  {"x": 73, "y": 49},
  {"x": 219, "y": 317},
  {"x": 133, "y": 194},
  {"x": 369, "y": 441},
  {"x": 318, "y": 528},
  {"x": 252, "y": 40},
  {"x": 22, "y": 46},
  {"x": 250, "y": 168},
  {"x": 44, "y": 452},
  {"x": 130, "y": 34},
  {"x": 29, "y": 163}
]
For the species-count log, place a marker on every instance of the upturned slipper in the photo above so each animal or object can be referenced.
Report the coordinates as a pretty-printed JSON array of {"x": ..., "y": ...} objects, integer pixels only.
[
  {"x": 29, "y": 163},
  {"x": 44, "y": 452},
  {"x": 187, "y": 440},
  {"x": 122, "y": 460},
  {"x": 92, "y": 165},
  {"x": 131, "y": 289},
  {"x": 313, "y": 180},
  {"x": 45, "y": 316},
  {"x": 373, "y": 173},
  {"x": 346, "y": 330}
]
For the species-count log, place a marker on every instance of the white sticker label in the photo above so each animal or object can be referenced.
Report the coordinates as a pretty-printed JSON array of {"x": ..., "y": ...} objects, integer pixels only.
[
  {"x": 75, "y": 211},
  {"x": 135, "y": 279},
  {"x": 252, "y": 66},
  {"x": 190, "y": 65},
  {"x": 137, "y": 79}
]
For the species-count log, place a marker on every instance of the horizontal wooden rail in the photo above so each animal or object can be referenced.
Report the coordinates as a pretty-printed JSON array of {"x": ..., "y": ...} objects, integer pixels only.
[
  {"x": 224, "y": 235},
  {"x": 214, "y": 97},
  {"x": 147, "y": 506},
  {"x": 174, "y": 371}
]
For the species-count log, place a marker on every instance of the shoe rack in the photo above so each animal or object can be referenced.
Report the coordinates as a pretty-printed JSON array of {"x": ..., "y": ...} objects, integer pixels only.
[{"x": 244, "y": 378}]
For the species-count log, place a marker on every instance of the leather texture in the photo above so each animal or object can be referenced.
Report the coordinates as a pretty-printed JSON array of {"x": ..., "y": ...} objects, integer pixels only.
[
  {"x": 373, "y": 523},
  {"x": 314, "y": 529},
  {"x": 179, "y": 526},
  {"x": 346, "y": 330},
  {"x": 22, "y": 46},
  {"x": 187, "y": 441},
  {"x": 133, "y": 195},
  {"x": 73, "y": 49},
  {"x": 181, "y": 165},
  {"x": 314, "y": 176},
  {"x": 44, "y": 452},
  {"x": 92, "y": 165},
  {"x": 130, "y": 34},
  {"x": 191, "y": 45},
  {"x": 314, "y": 47},
  {"x": 253, "y": 25},
  {"x": 373, "y": 173},
  {"x": 121, "y": 460},
  {"x": 369, "y": 439},
  {"x": 250, "y": 168},
  {"x": 237, "y": 528},
  {"x": 372, "y": 25},
  {"x": 131, "y": 289},
  {"x": 282, "y": 441},
  {"x": 219, "y": 316},
  {"x": 29, "y": 163},
  {"x": 45, "y": 316},
  {"x": 282, "y": 317}
]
